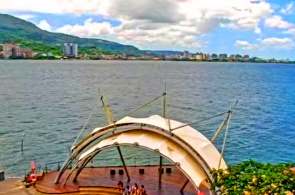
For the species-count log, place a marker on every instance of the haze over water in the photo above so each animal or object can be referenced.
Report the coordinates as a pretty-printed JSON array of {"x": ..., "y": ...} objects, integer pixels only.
[{"x": 50, "y": 101}]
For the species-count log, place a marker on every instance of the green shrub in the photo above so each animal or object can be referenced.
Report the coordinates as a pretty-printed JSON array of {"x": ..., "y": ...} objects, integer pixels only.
[{"x": 253, "y": 178}]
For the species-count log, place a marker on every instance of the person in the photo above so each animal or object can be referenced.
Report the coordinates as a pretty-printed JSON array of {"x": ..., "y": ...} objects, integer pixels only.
[
  {"x": 127, "y": 191},
  {"x": 141, "y": 190},
  {"x": 120, "y": 185},
  {"x": 134, "y": 189}
]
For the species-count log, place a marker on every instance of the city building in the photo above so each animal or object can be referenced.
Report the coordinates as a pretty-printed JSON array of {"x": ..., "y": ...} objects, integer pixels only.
[
  {"x": 192, "y": 57},
  {"x": 70, "y": 50},
  {"x": 222, "y": 56},
  {"x": 205, "y": 56},
  {"x": 11, "y": 49},
  {"x": 214, "y": 56},
  {"x": 26, "y": 52},
  {"x": 238, "y": 57},
  {"x": 231, "y": 57},
  {"x": 199, "y": 56},
  {"x": 246, "y": 57},
  {"x": 208, "y": 56},
  {"x": 185, "y": 54},
  {"x": 124, "y": 56}
]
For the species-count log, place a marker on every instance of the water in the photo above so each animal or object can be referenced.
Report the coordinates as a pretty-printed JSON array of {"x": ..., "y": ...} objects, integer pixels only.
[{"x": 50, "y": 101}]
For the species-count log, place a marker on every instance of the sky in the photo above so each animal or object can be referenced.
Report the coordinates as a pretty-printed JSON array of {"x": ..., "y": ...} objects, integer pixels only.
[{"x": 263, "y": 28}]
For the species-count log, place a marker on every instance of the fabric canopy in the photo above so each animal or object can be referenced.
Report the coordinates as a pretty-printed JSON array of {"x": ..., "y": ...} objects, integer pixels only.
[
  {"x": 168, "y": 148},
  {"x": 190, "y": 135}
]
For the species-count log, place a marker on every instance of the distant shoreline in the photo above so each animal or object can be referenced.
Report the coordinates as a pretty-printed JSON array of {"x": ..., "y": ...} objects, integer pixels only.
[{"x": 196, "y": 61}]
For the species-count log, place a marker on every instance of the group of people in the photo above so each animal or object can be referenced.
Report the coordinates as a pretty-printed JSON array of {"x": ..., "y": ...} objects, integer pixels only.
[{"x": 133, "y": 190}]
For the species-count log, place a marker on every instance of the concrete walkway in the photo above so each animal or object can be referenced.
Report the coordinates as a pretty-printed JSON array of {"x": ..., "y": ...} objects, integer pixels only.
[{"x": 14, "y": 186}]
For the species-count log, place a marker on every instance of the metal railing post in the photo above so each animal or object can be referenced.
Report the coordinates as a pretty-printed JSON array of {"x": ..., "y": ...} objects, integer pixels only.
[
  {"x": 160, "y": 172},
  {"x": 58, "y": 166}
]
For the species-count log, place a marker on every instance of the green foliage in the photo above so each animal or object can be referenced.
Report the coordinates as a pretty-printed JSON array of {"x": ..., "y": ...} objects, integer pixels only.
[
  {"x": 94, "y": 51},
  {"x": 12, "y": 28},
  {"x": 56, "y": 49},
  {"x": 40, "y": 47},
  {"x": 253, "y": 178}
]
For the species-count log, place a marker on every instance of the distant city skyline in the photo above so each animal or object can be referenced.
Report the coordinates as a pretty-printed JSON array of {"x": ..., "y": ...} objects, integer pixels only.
[
  {"x": 10, "y": 50},
  {"x": 264, "y": 28}
]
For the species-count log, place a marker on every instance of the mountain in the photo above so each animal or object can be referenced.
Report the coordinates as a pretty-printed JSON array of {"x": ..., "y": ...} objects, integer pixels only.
[{"x": 13, "y": 29}]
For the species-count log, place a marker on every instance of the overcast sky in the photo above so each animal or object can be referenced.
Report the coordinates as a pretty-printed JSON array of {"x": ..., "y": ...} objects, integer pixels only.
[{"x": 263, "y": 28}]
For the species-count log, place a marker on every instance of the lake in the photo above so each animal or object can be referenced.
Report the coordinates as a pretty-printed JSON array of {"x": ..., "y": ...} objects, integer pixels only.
[{"x": 49, "y": 102}]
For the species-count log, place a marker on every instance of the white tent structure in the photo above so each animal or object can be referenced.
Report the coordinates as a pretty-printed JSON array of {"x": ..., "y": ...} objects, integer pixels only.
[{"x": 183, "y": 145}]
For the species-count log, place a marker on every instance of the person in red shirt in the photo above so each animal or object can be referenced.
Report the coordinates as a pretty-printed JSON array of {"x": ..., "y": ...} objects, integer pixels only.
[{"x": 120, "y": 186}]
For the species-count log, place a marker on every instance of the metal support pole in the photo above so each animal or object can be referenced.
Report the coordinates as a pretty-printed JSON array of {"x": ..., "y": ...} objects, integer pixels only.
[
  {"x": 184, "y": 185},
  {"x": 160, "y": 172},
  {"x": 58, "y": 166},
  {"x": 123, "y": 161}
]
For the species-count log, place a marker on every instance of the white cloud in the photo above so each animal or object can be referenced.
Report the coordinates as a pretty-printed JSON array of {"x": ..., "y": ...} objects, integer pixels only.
[
  {"x": 290, "y": 31},
  {"x": 288, "y": 9},
  {"x": 257, "y": 30},
  {"x": 280, "y": 43},
  {"x": 25, "y": 16},
  {"x": 267, "y": 43},
  {"x": 147, "y": 35},
  {"x": 277, "y": 22},
  {"x": 55, "y": 6},
  {"x": 160, "y": 22},
  {"x": 88, "y": 29},
  {"x": 246, "y": 45},
  {"x": 44, "y": 25}
]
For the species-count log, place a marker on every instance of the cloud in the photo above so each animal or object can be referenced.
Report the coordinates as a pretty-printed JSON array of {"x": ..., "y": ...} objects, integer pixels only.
[
  {"x": 280, "y": 43},
  {"x": 148, "y": 35},
  {"x": 55, "y": 6},
  {"x": 290, "y": 31},
  {"x": 25, "y": 16},
  {"x": 267, "y": 43},
  {"x": 277, "y": 22},
  {"x": 88, "y": 29},
  {"x": 157, "y": 22},
  {"x": 288, "y": 9},
  {"x": 257, "y": 30},
  {"x": 156, "y": 11},
  {"x": 44, "y": 25},
  {"x": 246, "y": 45},
  {"x": 172, "y": 22}
]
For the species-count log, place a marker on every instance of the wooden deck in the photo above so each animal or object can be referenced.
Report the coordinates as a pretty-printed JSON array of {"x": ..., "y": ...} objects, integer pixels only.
[{"x": 100, "y": 177}]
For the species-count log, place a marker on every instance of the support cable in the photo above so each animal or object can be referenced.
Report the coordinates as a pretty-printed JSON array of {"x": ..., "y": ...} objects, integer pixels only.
[
  {"x": 226, "y": 133},
  {"x": 84, "y": 126},
  {"x": 224, "y": 141},
  {"x": 205, "y": 119},
  {"x": 146, "y": 104}
]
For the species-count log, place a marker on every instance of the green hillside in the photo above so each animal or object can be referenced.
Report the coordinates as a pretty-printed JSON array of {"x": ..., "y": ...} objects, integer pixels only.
[{"x": 15, "y": 29}]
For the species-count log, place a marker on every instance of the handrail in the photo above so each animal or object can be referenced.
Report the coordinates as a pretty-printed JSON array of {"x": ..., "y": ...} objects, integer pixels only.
[{"x": 131, "y": 161}]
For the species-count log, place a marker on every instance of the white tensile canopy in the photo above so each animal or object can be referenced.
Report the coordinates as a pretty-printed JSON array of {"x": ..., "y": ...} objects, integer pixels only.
[{"x": 167, "y": 146}]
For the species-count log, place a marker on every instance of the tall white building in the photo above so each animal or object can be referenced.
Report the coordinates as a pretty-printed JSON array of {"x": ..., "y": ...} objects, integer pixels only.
[{"x": 70, "y": 50}]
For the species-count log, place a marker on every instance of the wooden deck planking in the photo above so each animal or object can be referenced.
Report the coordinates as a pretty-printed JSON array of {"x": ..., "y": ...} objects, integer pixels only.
[{"x": 100, "y": 176}]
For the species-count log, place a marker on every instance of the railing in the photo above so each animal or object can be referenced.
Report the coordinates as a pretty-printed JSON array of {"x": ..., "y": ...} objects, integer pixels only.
[
  {"x": 129, "y": 161},
  {"x": 48, "y": 166}
]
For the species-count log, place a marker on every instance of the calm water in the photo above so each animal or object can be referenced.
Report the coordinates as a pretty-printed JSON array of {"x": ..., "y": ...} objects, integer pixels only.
[{"x": 50, "y": 101}]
